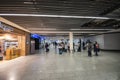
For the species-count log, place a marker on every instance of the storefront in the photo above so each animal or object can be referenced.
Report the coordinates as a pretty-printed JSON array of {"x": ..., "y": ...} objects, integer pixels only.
[{"x": 13, "y": 42}]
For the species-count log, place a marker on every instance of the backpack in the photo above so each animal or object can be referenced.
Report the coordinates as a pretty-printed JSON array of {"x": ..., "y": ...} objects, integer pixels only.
[{"x": 97, "y": 45}]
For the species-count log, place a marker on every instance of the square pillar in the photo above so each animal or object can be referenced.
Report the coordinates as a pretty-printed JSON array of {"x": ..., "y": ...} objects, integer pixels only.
[{"x": 71, "y": 41}]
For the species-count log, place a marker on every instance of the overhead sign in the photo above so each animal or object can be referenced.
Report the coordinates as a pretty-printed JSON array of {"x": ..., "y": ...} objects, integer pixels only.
[{"x": 5, "y": 27}]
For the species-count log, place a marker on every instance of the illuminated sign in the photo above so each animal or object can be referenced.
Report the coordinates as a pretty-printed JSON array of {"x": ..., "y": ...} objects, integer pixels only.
[
  {"x": 37, "y": 36},
  {"x": 6, "y": 28}
]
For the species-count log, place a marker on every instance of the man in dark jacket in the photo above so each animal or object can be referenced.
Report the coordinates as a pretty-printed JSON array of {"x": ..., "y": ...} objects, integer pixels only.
[{"x": 89, "y": 45}]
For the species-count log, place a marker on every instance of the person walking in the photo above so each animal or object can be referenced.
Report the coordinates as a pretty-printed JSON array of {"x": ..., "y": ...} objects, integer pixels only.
[
  {"x": 68, "y": 47},
  {"x": 60, "y": 48},
  {"x": 46, "y": 47},
  {"x": 89, "y": 46},
  {"x": 55, "y": 43},
  {"x": 79, "y": 47},
  {"x": 63, "y": 46},
  {"x": 83, "y": 45},
  {"x": 96, "y": 48}
]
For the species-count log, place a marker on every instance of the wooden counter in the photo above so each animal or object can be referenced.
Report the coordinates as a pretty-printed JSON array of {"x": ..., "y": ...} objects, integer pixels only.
[{"x": 12, "y": 53}]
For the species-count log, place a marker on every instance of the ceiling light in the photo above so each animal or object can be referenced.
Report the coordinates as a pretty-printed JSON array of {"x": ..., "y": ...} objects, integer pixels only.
[
  {"x": 28, "y": 2},
  {"x": 58, "y": 16},
  {"x": 42, "y": 28},
  {"x": 8, "y": 37},
  {"x": 91, "y": 29}
]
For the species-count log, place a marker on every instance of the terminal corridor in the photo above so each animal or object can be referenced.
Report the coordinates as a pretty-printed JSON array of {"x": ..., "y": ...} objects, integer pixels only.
[
  {"x": 59, "y": 39},
  {"x": 52, "y": 66}
]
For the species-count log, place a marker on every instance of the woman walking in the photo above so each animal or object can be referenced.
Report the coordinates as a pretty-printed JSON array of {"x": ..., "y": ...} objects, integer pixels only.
[{"x": 96, "y": 48}]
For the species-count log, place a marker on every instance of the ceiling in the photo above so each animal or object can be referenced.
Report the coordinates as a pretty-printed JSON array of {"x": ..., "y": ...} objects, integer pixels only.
[{"x": 63, "y": 25}]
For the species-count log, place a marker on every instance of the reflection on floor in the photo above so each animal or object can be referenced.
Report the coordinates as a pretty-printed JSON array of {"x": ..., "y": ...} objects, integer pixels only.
[{"x": 52, "y": 66}]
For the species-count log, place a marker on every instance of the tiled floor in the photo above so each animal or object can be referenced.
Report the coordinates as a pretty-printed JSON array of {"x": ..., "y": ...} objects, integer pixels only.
[{"x": 52, "y": 66}]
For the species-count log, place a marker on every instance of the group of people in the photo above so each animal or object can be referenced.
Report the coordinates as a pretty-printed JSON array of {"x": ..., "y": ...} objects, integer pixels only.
[
  {"x": 65, "y": 47},
  {"x": 91, "y": 46}
]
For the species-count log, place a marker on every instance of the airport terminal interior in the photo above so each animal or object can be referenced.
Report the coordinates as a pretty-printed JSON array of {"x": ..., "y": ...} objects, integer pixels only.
[{"x": 59, "y": 39}]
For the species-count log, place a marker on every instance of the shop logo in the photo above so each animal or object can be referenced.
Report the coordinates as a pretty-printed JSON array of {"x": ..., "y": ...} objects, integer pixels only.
[{"x": 6, "y": 27}]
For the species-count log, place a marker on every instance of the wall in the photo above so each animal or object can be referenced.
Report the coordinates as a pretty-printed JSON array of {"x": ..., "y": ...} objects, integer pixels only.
[
  {"x": 112, "y": 41},
  {"x": 99, "y": 39},
  {"x": 107, "y": 41}
]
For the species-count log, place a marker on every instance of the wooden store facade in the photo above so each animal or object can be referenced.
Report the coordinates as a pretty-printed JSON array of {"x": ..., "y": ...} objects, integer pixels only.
[{"x": 14, "y": 42}]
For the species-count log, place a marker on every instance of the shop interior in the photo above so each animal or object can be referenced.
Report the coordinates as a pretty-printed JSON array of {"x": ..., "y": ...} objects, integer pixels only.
[{"x": 11, "y": 45}]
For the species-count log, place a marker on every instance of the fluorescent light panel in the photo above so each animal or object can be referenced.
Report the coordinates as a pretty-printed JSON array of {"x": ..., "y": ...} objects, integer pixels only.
[
  {"x": 57, "y": 16},
  {"x": 63, "y": 32},
  {"x": 28, "y": 2},
  {"x": 69, "y": 29},
  {"x": 42, "y": 28},
  {"x": 92, "y": 29}
]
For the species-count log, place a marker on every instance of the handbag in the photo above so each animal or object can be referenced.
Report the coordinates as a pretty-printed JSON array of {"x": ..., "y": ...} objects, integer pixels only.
[{"x": 98, "y": 49}]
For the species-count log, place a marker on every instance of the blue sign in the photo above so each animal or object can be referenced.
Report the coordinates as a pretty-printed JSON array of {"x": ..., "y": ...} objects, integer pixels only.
[{"x": 37, "y": 36}]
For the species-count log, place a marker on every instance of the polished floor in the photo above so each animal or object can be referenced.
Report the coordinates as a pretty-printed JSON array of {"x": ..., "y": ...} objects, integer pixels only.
[{"x": 52, "y": 66}]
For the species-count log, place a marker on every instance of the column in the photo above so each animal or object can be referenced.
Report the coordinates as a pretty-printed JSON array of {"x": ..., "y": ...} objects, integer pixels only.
[
  {"x": 21, "y": 45},
  {"x": 71, "y": 42}
]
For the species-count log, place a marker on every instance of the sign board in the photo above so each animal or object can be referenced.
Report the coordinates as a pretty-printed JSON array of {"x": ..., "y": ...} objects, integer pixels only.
[{"x": 6, "y": 28}]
